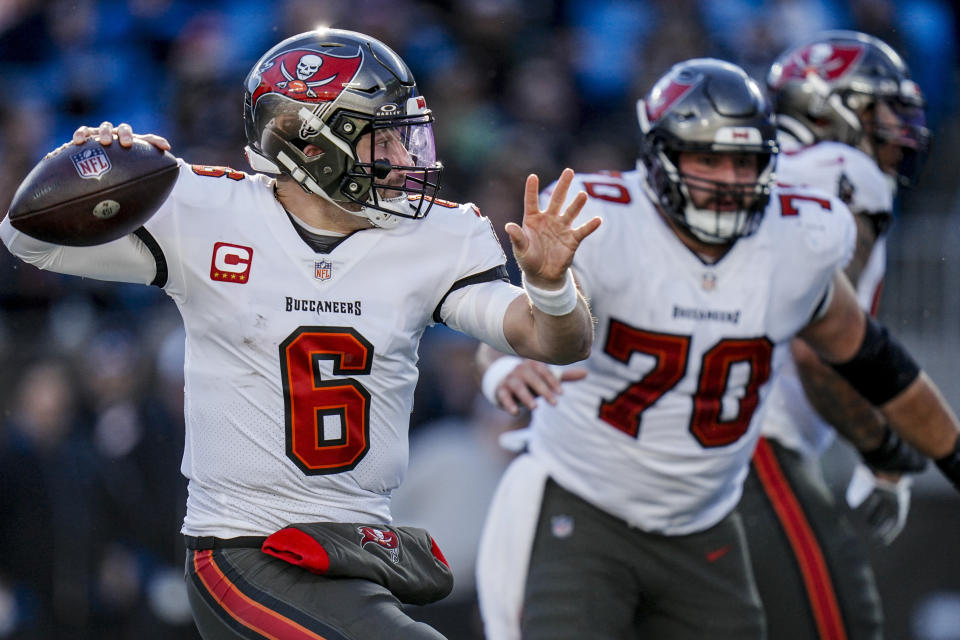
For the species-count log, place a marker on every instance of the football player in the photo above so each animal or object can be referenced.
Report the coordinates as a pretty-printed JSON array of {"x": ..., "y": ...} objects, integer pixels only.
[
  {"x": 619, "y": 520},
  {"x": 851, "y": 123},
  {"x": 304, "y": 299}
]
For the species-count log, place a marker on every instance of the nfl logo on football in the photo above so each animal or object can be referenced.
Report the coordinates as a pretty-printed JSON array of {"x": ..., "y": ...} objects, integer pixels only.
[
  {"x": 322, "y": 270},
  {"x": 91, "y": 163}
]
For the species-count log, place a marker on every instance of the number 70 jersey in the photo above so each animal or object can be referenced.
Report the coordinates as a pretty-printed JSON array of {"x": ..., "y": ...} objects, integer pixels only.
[{"x": 661, "y": 430}]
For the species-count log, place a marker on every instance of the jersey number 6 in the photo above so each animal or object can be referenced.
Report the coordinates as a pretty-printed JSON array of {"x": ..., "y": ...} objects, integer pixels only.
[
  {"x": 327, "y": 421},
  {"x": 671, "y": 352}
]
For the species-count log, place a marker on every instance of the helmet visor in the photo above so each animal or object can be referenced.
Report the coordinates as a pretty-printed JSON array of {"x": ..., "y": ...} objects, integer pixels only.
[{"x": 900, "y": 138}]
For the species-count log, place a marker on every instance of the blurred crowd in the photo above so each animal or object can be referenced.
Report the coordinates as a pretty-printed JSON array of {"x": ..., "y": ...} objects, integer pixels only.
[{"x": 91, "y": 377}]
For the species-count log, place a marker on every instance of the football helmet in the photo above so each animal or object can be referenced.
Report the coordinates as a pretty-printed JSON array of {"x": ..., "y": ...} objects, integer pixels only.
[
  {"x": 339, "y": 113},
  {"x": 851, "y": 87},
  {"x": 707, "y": 106}
]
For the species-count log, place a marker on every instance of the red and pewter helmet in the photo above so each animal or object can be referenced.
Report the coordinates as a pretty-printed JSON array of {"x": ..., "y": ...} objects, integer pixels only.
[
  {"x": 707, "y": 106},
  {"x": 829, "y": 88},
  {"x": 339, "y": 113}
]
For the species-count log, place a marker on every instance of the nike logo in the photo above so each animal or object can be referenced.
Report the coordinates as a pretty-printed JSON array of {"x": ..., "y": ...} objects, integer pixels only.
[{"x": 716, "y": 554}]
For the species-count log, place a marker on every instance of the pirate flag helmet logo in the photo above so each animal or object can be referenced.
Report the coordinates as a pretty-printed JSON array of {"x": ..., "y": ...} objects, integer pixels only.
[{"x": 307, "y": 76}]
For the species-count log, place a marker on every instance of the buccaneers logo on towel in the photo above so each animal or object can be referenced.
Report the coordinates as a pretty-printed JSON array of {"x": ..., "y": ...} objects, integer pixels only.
[
  {"x": 383, "y": 538},
  {"x": 307, "y": 76}
]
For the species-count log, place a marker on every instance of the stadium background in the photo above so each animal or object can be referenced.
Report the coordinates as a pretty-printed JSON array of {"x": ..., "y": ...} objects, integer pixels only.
[{"x": 91, "y": 373}]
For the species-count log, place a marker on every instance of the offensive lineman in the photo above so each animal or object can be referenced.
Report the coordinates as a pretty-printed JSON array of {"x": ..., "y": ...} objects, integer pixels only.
[
  {"x": 851, "y": 124},
  {"x": 619, "y": 521},
  {"x": 304, "y": 299}
]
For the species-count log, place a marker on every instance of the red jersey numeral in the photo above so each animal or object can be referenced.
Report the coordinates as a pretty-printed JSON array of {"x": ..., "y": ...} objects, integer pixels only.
[
  {"x": 671, "y": 354},
  {"x": 609, "y": 191},
  {"x": 670, "y": 351},
  {"x": 308, "y": 399},
  {"x": 706, "y": 424},
  {"x": 787, "y": 207}
]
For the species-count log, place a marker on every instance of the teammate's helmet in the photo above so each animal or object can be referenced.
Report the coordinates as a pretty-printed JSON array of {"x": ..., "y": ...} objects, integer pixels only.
[
  {"x": 832, "y": 84},
  {"x": 707, "y": 106},
  {"x": 354, "y": 103}
]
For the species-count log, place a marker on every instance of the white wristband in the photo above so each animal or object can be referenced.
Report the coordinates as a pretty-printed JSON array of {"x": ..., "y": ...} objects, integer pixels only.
[
  {"x": 559, "y": 302},
  {"x": 494, "y": 375}
]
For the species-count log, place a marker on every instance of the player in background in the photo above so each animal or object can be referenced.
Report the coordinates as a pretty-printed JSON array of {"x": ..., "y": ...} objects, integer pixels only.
[
  {"x": 619, "y": 520},
  {"x": 304, "y": 299},
  {"x": 850, "y": 123}
]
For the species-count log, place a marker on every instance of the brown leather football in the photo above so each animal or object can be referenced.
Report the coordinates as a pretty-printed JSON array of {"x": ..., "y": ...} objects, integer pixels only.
[{"x": 89, "y": 194}]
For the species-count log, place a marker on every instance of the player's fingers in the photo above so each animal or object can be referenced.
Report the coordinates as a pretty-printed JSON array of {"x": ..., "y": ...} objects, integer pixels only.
[
  {"x": 80, "y": 135},
  {"x": 574, "y": 208},
  {"x": 519, "y": 391},
  {"x": 105, "y": 133},
  {"x": 560, "y": 193},
  {"x": 506, "y": 401},
  {"x": 586, "y": 229},
  {"x": 158, "y": 141},
  {"x": 517, "y": 237},
  {"x": 124, "y": 134},
  {"x": 547, "y": 377},
  {"x": 571, "y": 375},
  {"x": 546, "y": 387},
  {"x": 531, "y": 190}
]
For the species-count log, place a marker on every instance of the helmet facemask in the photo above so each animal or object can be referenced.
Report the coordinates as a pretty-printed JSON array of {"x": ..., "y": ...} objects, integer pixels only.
[
  {"x": 727, "y": 210},
  {"x": 395, "y": 169},
  {"x": 896, "y": 136}
]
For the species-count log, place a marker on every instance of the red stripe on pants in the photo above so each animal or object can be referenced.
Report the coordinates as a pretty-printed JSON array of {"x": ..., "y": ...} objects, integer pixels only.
[
  {"x": 243, "y": 609},
  {"x": 806, "y": 549}
]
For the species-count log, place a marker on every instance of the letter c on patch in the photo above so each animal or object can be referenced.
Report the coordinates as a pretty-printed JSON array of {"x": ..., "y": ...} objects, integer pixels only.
[{"x": 231, "y": 263}]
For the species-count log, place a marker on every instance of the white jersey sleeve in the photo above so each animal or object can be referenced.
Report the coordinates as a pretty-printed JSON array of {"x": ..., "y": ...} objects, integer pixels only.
[
  {"x": 661, "y": 430},
  {"x": 128, "y": 259},
  {"x": 851, "y": 174},
  {"x": 824, "y": 237},
  {"x": 842, "y": 171}
]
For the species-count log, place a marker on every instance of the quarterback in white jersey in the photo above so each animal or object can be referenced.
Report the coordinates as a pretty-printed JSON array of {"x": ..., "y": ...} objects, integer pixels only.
[
  {"x": 619, "y": 521},
  {"x": 304, "y": 299}
]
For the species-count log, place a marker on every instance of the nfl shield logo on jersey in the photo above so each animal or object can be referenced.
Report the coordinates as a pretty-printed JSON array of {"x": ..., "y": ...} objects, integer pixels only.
[
  {"x": 91, "y": 163},
  {"x": 322, "y": 270},
  {"x": 709, "y": 282}
]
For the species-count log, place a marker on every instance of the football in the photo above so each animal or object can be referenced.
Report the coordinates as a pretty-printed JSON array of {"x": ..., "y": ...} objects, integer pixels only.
[{"x": 89, "y": 194}]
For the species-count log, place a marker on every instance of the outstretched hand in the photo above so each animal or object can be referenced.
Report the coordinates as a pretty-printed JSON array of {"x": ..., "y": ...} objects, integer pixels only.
[
  {"x": 123, "y": 133},
  {"x": 544, "y": 245}
]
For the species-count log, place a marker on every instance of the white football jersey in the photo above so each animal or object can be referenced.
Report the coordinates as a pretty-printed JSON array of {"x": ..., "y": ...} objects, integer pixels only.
[
  {"x": 849, "y": 173},
  {"x": 661, "y": 430},
  {"x": 300, "y": 366}
]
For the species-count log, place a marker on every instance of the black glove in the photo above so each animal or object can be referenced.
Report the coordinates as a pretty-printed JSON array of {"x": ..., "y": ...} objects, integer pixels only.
[
  {"x": 897, "y": 456},
  {"x": 950, "y": 465}
]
